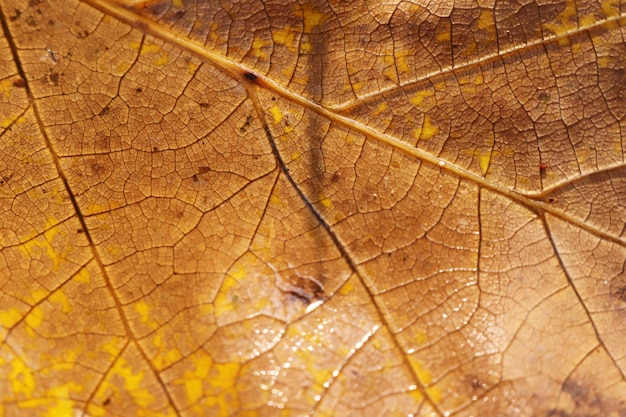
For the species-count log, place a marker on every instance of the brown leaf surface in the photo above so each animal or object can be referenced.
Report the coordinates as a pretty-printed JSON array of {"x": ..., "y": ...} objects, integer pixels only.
[{"x": 360, "y": 208}]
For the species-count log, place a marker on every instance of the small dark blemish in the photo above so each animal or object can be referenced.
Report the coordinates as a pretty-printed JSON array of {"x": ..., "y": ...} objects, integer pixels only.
[
  {"x": 305, "y": 290},
  {"x": 335, "y": 178},
  {"x": 250, "y": 76},
  {"x": 195, "y": 178},
  {"x": 273, "y": 98},
  {"x": 621, "y": 294},
  {"x": 51, "y": 22},
  {"x": 105, "y": 110},
  {"x": 19, "y": 83},
  {"x": 154, "y": 149},
  {"x": 179, "y": 14},
  {"x": 138, "y": 90},
  {"x": 204, "y": 105},
  {"x": 203, "y": 170},
  {"x": 79, "y": 231},
  {"x": 246, "y": 124},
  {"x": 106, "y": 402},
  {"x": 17, "y": 15},
  {"x": 54, "y": 78}
]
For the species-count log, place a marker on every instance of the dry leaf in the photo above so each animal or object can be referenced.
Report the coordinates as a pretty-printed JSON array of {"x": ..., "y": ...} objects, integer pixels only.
[{"x": 363, "y": 208}]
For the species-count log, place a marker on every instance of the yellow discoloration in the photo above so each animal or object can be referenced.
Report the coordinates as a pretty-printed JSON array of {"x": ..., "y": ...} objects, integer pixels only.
[
  {"x": 401, "y": 62},
  {"x": 486, "y": 21},
  {"x": 212, "y": 384},
  {"x": 611, "y": 8},
  {"x": 112, "y": 346},
  {"x": 61, "y": 403},
  {"x": 325, "y": 201},
  {"x": 391, "y": 70},
  {"x": 178, "y": 3},
  {"x": 305, "y": 47},
  {"x": 166, "y": 358},
  {"x": 83, "y": 276},
  {"x": 424, "y": 376},
  {"x": 14, "y": 118},
  {"x": 44, "y": 243},
  {"x": 227, "y": 300},
  {"x": 484, "y": 160},
  {"x": 258, "y": 46},
  {"x": 427, "y": 131},
  {"x": 36, "y": 295},
  {"x": 444, "y": 36},
  {"x": 6, "y": 86},
  {"x": 9, "y": 317},
  {"x": 312, "y": 17},
  {"x": 422, "y": 96},
  {"x": 132, "y": 380},
  {"x": 59, "y": 297},
  {"x": 420, "y": 337},
  {"x": 287, "y": 37},
  {"x": 164, "y": 59},
  {"x": 566, "y": 21},
  {"x": 346, "y": 289},
  {"x": 192, "y": 67},
  {"x": 586, "y": 21},
  {"x": 21, "y": 378},
  {"x": 277, "y": 114},
  {"x": 144, "y": 310},
  {"x": 381, "y": 108},
  {"x": 295, "y": 155},
  {"x": 33, "y": 319}
]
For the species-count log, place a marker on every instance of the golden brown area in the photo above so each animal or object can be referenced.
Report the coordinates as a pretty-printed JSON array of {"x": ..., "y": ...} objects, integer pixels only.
[{"x": 321, "y": 208}]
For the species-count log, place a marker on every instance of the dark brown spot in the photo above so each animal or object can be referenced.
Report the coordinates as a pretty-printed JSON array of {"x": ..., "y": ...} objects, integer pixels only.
[
  {"x": 19, "y": 83},
  {"x": 106, "y": 402},
  {"x": 203, "y": 169},
  {"x": 621, "y": 294},
  {"x": 16, "y": 16},
  {"x": 54, "y": 78},
  {"x": 246, "y": 124},
  {"x": 250, "y": 76},
  {"x": 179, "y": 14},
  {"x": 304, "y": 289},
  {"x": 335, "y": 178},
  {"x": 194, "y": 178},
  {"x": 105, "y": 110},
  {"x": 138, "y": 90},
  {"x": 79, "y": 231},
  {"x": 154, "y": 149}
]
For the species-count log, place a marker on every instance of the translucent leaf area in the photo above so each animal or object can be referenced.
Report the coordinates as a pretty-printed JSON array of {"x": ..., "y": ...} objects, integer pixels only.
[{"x": 312, "y": 208}]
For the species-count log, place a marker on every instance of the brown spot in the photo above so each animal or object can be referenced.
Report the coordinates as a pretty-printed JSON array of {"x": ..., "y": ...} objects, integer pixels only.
[
  {"x": 106, "y": 402},
  {"x": 621, "y": 294},
  {"x": 19, "y": 83},
  {"x": 138, "y": 90},
  {"x": 79, "y": 231},
  {"x": 105, "y": 110},
  {"x": 195, "y": 178},
  {"x": 304, "y": 289},
  {"x": 203, "y": 170},
  {"x": 242, "y": 129},
  {"x": 335, "y": 178},
  {"x": 179, "y": 14},
  {"x": 250, "y": 76},
  {"x": 54, "y": 78},
  {"x": 16, "y": 16}
]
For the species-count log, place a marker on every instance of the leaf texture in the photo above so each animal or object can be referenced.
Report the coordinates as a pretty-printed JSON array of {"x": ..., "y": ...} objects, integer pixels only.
[{"x": 390, "y": 208}]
